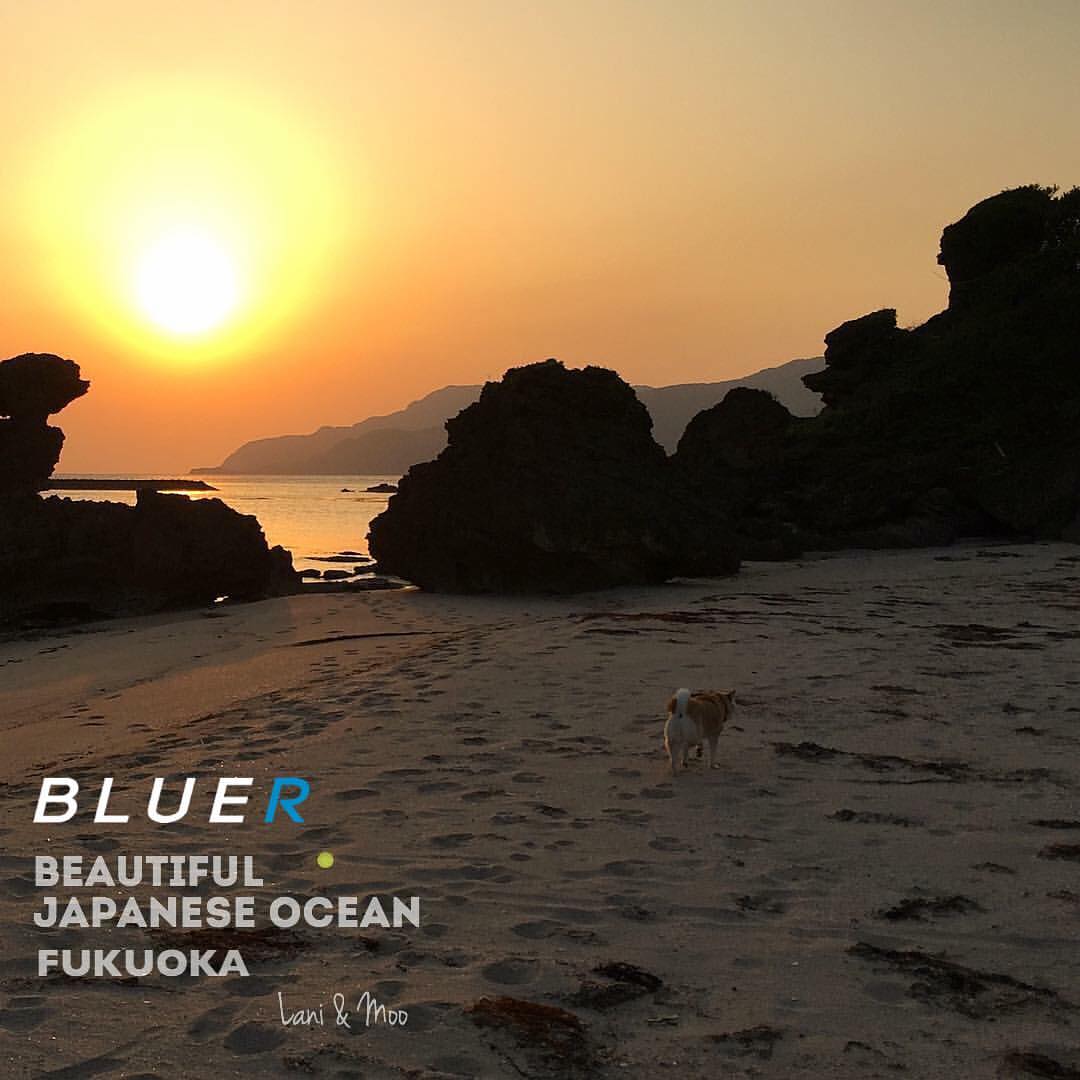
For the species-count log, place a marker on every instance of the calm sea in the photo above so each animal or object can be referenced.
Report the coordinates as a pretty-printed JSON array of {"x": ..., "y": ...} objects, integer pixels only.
[{"x": 312, "y": 516}]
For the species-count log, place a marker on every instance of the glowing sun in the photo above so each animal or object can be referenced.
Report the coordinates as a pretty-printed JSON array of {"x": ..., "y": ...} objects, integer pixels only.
[{"x": 185, "y": 281}]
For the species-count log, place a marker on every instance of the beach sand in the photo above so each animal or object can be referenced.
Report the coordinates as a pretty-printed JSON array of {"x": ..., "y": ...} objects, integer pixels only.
[{"x": 882, "y": 879}]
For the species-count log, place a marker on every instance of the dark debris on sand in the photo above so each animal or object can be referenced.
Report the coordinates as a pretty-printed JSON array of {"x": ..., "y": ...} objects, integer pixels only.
[
  {"x": 1022, "y": 1063},
  {"x": 893, "y": 767},
  {"x": 812, "y": 751},
  {"x": 626, "y": 982},
  {"x": 556, "y": 1037},
  {"x": 758, "y": 1040},
  {"x": 1071, "y": 852},
  {"x": 872, "y": 817},
  {"x": 979, "y": 995},
  {"x": 919, "y": 907}
]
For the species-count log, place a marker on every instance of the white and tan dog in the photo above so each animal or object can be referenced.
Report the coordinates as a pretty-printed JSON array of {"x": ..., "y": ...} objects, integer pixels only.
[{"x": 696, "y": 719}]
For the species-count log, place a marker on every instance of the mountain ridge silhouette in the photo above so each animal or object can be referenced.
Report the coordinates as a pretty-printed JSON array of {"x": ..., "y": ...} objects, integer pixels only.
[{"x": 390, "y": 443}]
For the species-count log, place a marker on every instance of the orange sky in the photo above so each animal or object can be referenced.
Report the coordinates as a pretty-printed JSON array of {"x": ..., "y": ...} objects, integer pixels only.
[{"x": 409, "y": 195}]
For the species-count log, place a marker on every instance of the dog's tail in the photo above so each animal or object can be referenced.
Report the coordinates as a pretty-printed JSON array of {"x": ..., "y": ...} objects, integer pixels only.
[{"x": 682, "y": 699}]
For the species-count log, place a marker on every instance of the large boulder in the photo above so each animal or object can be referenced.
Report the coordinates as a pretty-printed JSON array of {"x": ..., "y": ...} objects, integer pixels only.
[
  {"x": 550, "y": 482},
  {"x": 743, "y": 431},
  {"x": 741, "y": 456}
]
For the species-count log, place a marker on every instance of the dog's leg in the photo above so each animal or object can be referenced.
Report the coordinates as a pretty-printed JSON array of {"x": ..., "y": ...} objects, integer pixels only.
[{"x": 713, "y": 739}]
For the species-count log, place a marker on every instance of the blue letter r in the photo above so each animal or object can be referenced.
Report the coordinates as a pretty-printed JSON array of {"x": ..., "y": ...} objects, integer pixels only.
[{"x": 288, "y": 804}]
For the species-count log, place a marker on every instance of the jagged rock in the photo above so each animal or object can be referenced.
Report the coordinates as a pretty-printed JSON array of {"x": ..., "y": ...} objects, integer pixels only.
[
  {"x": 968, "y": 424},
  {"x": 87, "y": 558},
  {"x": 103, "y": 558},
  {"x": 550, "y": 482},
  {"x": 852, "y": 351},
  {"x": 33, "y": 386},
  {"x": 994, "y": 233}
]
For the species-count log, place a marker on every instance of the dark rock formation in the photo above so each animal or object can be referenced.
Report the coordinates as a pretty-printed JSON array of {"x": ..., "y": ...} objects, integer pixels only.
[
  {"x": 968, "y": 424},
  {"x": 100, "y": 558},
  {"x": 853, "y": 350},
  {"x": 28, "y": 454},
  {"x": 551, "y": 482},
  {"x": 738, "y": 456},
  {"x": 36, "y": 385},
  {"x": 80, "y": 559},
  {"x": 745, "y": 431},
  {"x": 33, "y": 387},
  {"x": 1002, "y": 233}
]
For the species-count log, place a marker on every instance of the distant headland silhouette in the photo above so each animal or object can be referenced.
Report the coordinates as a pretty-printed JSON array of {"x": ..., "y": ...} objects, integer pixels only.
[{"x": 390, "y": 444}]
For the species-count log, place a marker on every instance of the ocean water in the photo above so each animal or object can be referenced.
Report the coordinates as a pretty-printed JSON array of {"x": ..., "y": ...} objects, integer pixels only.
[{"x": 312, "y": 516}]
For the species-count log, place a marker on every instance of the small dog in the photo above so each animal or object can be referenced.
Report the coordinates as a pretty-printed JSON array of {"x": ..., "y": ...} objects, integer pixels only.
[{"x": 694, "y": 719}]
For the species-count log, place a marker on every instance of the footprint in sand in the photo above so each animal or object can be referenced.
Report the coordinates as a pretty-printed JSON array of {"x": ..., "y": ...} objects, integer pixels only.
[
  {"x": 253, "y": 1038},
  {"x": 213, "y": 1021},
  {"x": 23, "y": 1013},
  {"x": 355, "y": 793},
  {"x": 435, "y": 786},
  {"x": 511, "y": 972},
  {"x": 629, "y": 817},
  {"x": 482, "y": 794},
  {"x": 451, "y": 840},
  {"x": 626, "y": 867},
  {"x": 538, "y": 929},
  {"x": 670, "y": 843}
]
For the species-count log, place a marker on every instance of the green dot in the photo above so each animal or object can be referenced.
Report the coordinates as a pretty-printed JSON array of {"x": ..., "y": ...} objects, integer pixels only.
[{"x": 325, "y": 860}]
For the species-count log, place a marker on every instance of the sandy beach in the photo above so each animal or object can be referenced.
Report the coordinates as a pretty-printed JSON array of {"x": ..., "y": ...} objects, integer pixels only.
[{"x": 882, "y": 879}]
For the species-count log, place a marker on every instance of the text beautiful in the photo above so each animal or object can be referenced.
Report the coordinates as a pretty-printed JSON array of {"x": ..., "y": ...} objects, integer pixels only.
[{"x": 58, "y": 803}]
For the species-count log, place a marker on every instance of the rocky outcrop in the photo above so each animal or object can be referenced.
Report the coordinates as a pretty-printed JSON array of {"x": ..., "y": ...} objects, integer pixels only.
[
  {"x": 740, "y": 457},
  {"x": 968, "y": 424},
  {"x": 550, "y": 482},
  {"x": 88, "y": 559},
  {"x": 1000, "y": 240},
  {"x": 33, "y": 387},
  {"x": 80, "y": 558},
  {"x": 855, "y": 354},
  {"x": 28, "y": 454}
]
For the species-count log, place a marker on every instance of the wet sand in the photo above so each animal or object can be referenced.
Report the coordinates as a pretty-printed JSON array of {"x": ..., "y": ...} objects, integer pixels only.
[{"x": 882, "y": 879}]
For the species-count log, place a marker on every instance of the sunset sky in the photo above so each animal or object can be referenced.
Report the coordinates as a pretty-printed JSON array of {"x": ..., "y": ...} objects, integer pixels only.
[{"x": 253, "y": 218}]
